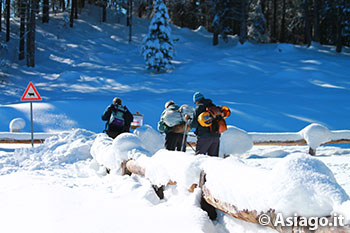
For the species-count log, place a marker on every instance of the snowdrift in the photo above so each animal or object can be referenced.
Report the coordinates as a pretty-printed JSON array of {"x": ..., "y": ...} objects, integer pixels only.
[{"x": 59, "y": 150}]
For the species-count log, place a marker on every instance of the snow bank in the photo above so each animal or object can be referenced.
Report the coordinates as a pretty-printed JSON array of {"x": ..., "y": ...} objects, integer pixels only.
[
  {"x": 235, "y": 141},
  {"x": 151, "y": 139},
  {"x": 297, "y": 184},
  {"x": 315, "y": 135},
  {"x": 64, "y": 148},
  {"x": 111, "y": 153}
]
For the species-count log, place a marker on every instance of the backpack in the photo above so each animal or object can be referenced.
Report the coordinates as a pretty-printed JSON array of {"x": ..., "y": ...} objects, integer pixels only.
[
  {"x": 214, "y": 118},
  {"x": 117, "y": 116}
]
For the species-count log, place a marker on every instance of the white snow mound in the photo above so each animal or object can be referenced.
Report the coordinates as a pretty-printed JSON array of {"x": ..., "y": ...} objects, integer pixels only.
[
  {"x": 151, "y": 139},
  {"x": 65, "y": 148},
  {"x": 315, "y": 135},
  {"x": 111, "y": 153},
  {"x": 17, "y": 124},
  {"x": 235, "y": 141},
  {"x": 172, "y": 165}
]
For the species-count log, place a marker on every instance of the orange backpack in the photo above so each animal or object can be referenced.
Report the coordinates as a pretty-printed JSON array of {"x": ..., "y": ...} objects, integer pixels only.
[{"x": 218, "y": 115}]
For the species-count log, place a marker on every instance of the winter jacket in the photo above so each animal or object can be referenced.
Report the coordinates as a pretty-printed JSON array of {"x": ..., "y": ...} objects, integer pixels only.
[
  {"x": 162, "y": 126},
  {"x": 202, "y": 132},
  {"x": 128, "y": 118}
]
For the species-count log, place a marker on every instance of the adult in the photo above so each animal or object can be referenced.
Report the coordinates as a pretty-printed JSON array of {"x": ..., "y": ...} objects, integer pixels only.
[
  {"x": 118, "y": 118},
  {"x": 172, "y": 124},
  {"x": 207, "y": 142}
]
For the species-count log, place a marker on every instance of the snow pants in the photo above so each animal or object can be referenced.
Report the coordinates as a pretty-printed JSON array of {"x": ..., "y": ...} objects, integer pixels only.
[
  {"x": 173, "y": 141},
  {"x": 208, "y": 146}
]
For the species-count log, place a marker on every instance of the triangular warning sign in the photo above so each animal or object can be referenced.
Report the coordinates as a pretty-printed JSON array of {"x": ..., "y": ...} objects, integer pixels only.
[{"x": 30, "y": 93}]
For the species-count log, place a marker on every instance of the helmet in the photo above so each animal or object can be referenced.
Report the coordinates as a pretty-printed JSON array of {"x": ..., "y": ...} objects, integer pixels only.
[
  {"x": 204, "y": 119},
  {"x": 226, "y": 111}
]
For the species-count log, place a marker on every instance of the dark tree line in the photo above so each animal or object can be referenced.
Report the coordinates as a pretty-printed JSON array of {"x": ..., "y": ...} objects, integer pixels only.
[{"x": 262, "y": 21}]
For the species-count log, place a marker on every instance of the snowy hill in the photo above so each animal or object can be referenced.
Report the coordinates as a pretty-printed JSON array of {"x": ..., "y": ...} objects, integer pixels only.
[
  {"x": 60, "y": 186},
  {"x": 271, "y": 87}
]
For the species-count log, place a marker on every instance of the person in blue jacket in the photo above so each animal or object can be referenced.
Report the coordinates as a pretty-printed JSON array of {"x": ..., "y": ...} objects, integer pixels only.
[{"x": 207, "y": 141}]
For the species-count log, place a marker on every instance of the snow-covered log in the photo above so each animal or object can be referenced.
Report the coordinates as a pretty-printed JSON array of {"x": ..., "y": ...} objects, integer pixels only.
[
  {"x": 281, "y": 139},
  {"x": 313, "y": 135},
  {"x": 267, "y": 218}
]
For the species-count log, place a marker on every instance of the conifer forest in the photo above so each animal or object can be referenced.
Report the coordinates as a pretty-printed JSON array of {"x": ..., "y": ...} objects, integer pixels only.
[{"x": 260, "y": 21}]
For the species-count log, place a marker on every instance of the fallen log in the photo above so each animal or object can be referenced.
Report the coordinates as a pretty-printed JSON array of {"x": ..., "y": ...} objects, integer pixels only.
[
  {"x": 132, "y": 167},
  {"x": 14, "y": 141},
  {"x": 268, "y": 218},
  {"x": 23, "y": 138}
]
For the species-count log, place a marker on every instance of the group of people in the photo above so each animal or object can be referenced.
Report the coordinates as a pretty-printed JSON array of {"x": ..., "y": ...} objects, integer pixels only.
[{"x": 119, "y": 119}]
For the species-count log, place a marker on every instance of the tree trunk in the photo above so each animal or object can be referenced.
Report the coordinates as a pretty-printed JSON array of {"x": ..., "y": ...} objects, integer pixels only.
[
  {"x": 316, "y": 21},
  {"x": 0, "y": 15},
  {"x": 215, "y": 38},
  {"x": 130, "y": 21},
  {"x": 339, "y": 42},
  {"x": 71, "y": 18},
  {"x": 274, "y": 23},
  {"x": 75, "y": 9},
  {"x": 46, "y": 16},
  {"x": 243, "y": 28},
  {"x": 7, "y": 20},
  {"x": 307, "y": 23},
  {"x": 128, "y": 14},
  {"x": 283, "y": 22},
  {"x": 63, "y": 5},
  {"x": 104, "y": 11},
  {"x": 31, "y": 8},
  {"x": 22, "y": 13}
]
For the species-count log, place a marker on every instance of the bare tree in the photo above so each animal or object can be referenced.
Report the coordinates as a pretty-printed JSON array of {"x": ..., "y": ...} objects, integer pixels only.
[
  {"x": 31, "y": 9},
  {"x": 22, "y": 14},
  {"x": 0, "y": 15},
  {"x": 316, "y": 21},
  {"x": 283, "y": 22},
  {"x": 307, "y": 23},
  {"x": 46, "y": 17},
  {"x": 244, "y": 16},
  {"x": 7, "y": 20}
]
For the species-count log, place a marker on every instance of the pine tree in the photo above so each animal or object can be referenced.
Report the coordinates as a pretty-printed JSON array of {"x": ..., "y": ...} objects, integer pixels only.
[
  {"x": 158, "y": 49},
  {"x": 257, "y": 30}
]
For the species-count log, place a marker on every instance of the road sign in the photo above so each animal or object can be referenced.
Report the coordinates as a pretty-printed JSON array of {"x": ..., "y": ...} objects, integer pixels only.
[{"x": 30, "y": 94}]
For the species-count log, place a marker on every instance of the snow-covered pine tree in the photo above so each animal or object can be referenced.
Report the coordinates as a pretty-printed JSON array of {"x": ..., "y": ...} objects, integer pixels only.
[
  {"x": 257, "y": 30},
  {"x": 158, "y": 49}
]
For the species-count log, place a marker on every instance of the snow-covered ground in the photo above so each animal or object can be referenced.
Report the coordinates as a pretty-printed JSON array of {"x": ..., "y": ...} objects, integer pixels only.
[{"x": 60, "y": 186}]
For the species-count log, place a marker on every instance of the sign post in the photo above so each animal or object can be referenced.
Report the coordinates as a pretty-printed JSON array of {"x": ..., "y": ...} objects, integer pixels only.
[{"x": 31, "y": 94}]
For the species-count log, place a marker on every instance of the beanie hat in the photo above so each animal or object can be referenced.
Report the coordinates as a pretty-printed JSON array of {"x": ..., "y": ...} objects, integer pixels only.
[
  {"x": 197, "y": 96},
  {"x": 117, "y": 100},
  {"x": 167, "y": 104}
]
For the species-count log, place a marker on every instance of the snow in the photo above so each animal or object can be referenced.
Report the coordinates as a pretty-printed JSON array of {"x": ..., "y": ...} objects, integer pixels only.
[
  {"x": 17, "y": 124},
  {"x": 235, "y": 141},
  {"x": 151, "y": 140},
  {"x": 297, "y": 184},
  {"x": 315, "y": 135},
  {"x": 62, "y": 185}
]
